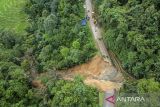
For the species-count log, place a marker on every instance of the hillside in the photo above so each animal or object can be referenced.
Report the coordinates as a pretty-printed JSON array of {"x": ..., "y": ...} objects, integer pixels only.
[
  {"x": 59, "y": 53},
  {"x": 131, "y": 29},
  {"x": 54, "y": 40}
]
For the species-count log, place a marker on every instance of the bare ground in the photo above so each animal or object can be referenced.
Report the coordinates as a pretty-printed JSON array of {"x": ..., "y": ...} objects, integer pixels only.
[{"x": 97, "y": 73}]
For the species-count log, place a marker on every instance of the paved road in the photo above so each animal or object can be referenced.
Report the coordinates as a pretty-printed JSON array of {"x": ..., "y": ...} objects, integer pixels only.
[
  {"x": 102, "y": 48},
  {"x": 97, "y": 33}
]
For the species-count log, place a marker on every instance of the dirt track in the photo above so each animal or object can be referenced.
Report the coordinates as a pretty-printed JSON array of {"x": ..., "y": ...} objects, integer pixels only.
[{"x": 97, "y": 32}]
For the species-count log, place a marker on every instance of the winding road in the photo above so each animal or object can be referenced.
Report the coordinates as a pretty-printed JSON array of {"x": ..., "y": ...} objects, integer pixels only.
[{"x": 97, "y": 33}]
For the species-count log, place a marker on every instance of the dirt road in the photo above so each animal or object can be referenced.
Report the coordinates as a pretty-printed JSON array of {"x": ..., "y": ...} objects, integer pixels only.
[{"x": 97, "y": 33}]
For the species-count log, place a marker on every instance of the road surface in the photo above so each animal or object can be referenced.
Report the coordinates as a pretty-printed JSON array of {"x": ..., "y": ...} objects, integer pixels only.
[
  {"x": 97, "y": 32},
  {"x": 103, "y": 50}
]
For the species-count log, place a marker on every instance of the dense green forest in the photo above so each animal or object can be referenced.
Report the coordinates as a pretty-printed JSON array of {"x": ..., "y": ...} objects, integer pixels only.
[
  {"x": 132, "y": 32},
  {"x": 58, "y": 39},
  {"x": 55, "y": 40}
]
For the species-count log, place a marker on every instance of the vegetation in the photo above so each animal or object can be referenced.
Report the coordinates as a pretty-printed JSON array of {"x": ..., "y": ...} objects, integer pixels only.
[
  {"x": 12, "y": 16},
  {"x": 59, "y": 39},
  {"x": 132, "y": 31},
  {"x": 149, "y": 89},
  {"x": 54, "y": 40},
  {"x": 16, "y": 91}
]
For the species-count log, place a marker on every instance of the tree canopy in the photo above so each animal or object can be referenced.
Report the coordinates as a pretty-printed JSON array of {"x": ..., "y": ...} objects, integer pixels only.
[{"x": 132, "y": 31}]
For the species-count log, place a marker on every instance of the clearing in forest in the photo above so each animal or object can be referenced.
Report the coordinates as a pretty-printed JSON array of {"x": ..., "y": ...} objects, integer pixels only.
[
  {"x": 12, "y": 15},
  {"x": 97, "y": 73}
]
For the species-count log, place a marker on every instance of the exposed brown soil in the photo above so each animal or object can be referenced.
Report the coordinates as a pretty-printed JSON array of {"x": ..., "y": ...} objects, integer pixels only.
[
  {"x": 92, "y": 68},
  {"x": 97, "y": 73},
  {"x": 103, "y": 85},
  {"x": 94, "y": 72},
  {"x": 38, "y": 84}
]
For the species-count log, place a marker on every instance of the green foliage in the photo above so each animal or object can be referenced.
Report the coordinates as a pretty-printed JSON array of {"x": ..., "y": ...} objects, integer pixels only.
[
  {"x": 58, "y": 38},
  {"x": 50, "y": 24},
  {"x": 76, "y": 44},
  {"x": 141, "y": 86},
  {"x": 132, "y": 31},
  {"x": 25, "y": 65},
  {"x": 10, "y": 46},
  {"x": 64, "y": 51},
  {"x": 7, "y": 39},
  {"x": 54, "y": 40},
  {"x": 13, "y": 84},
  {"x": 148, "y": 86},
  {"x": 12, "y": 16},
  {"x": 74, "y": 94},
  {"x": 129, "y": 87}
]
